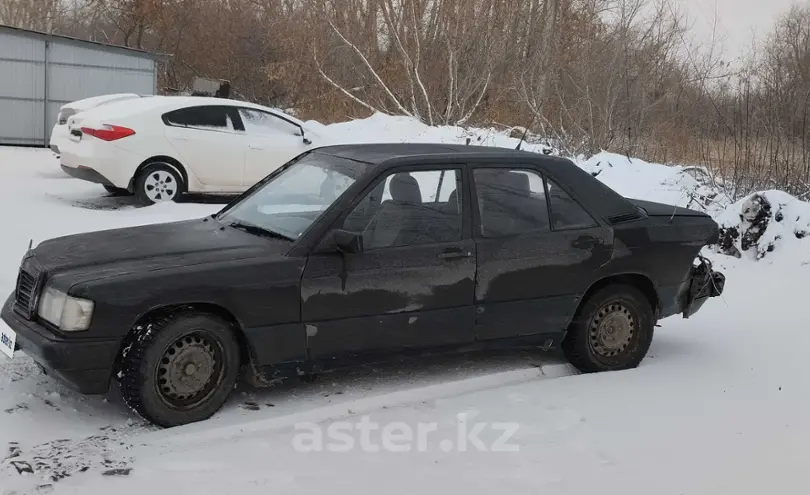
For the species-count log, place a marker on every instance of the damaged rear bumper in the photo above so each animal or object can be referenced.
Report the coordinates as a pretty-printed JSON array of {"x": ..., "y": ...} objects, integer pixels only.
[
  {"x": 704, "y": 283},
  {"x": 88, "y": 174}
]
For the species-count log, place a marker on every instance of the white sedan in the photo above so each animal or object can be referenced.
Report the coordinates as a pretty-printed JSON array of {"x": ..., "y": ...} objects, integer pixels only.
[{"x": 161, "y": 147}]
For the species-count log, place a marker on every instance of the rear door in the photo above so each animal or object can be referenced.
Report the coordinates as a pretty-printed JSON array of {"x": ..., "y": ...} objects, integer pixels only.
[
  {"x": 271, "y": 142},
  {"x": 210, "y": 144},
  {"x": 537, "y": 248},
  {"x": 413, "y": 285}
]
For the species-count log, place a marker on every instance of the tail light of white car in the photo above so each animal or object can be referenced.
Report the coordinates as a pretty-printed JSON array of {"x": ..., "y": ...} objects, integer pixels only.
[{"x": 108, "y": 132}]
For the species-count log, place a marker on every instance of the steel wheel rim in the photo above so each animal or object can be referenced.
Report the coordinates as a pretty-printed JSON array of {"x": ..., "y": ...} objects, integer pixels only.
[
  {"x": 190, "y": 370},
  {"x": 612, "y": 330},
  {"x": 160, "y": 185}
]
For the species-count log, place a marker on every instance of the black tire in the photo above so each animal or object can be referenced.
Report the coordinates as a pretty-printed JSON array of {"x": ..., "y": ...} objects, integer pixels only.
[
  {"x": 612, "y": 330},
  {"x": 172, "y": 184},
  {"x": 156, "y": 368},
  {"x": 116, "y": 191}
]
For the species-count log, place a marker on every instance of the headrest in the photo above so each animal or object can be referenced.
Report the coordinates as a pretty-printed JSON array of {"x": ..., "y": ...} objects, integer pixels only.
[
  {"x": 505, "y": 182},
  {"x": 405, "y": 189},
  {"x": 519, "y": 182}
]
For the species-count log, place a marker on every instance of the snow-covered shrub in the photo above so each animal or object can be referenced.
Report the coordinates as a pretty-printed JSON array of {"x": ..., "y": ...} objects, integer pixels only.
[{"x": 760, "y": 222}]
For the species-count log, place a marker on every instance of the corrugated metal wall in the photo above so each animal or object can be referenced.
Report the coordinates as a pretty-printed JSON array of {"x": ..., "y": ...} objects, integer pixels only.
[
  {"x": 22, "y": 89},
  {"x": 39, "y": 75}
]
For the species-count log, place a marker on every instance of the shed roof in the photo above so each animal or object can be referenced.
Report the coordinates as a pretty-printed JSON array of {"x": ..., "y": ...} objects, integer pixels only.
[{"x": 88, "y": 44}]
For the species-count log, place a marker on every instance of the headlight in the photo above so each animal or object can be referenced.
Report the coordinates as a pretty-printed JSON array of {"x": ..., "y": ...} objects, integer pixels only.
[{"x": 70, "y": 314}]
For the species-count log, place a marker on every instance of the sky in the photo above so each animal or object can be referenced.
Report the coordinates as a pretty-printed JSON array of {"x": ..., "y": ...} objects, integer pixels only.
[{"x": 736, "y": 19}]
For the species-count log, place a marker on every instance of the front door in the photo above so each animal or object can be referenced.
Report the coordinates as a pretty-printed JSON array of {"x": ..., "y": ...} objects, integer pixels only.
[
  {"x": 413, "y": 284},
  {"x": 537, "y": 249}
]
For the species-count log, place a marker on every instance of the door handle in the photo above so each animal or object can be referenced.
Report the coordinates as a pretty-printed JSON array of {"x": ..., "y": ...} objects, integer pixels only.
[
  {"x": 454, "y": 254},
  {"x": 256, "y": 147}
]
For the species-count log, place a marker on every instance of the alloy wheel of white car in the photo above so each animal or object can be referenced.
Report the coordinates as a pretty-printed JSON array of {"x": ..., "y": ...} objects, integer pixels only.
[
  {"x": 158, "y": 183},
  {"x": 160, "y": 186}
]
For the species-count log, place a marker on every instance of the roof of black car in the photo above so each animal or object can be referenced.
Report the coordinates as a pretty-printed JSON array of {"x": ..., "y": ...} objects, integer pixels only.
[
  {"x": 376, "y": 153},
  {"x": 607, "y": 201}
]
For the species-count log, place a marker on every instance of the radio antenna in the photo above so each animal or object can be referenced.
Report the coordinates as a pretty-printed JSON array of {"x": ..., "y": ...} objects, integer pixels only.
[{"x": 525, "y": 130}]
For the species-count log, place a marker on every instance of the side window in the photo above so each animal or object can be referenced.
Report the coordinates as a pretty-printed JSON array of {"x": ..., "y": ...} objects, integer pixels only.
[
  {"x": 202, "y": 117},
  {"x": 566, "y": 213},
  {"x": 261, "y": 123},
  {"x": 410, "y": 208},
  {"x": 510, "y": 201}
]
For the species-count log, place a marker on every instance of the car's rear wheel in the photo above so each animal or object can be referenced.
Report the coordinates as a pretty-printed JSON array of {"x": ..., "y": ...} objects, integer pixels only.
[
  {"x": 612, "y": 330},
  {"x": 180, "y": 368},
  {"x": 158, "y": 183}
]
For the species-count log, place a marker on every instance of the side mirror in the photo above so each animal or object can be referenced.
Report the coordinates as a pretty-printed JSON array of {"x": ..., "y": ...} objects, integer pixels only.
[
  {"x": 347, "y": 242},
  {"x": 304, "y": 137}
]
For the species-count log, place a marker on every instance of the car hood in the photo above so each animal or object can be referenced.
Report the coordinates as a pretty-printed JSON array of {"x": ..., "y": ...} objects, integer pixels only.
[{"x": 108, "y": 253}]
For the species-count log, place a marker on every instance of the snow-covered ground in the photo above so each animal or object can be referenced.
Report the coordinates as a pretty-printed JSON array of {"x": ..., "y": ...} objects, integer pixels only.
[{"x": 719, "y": 406}]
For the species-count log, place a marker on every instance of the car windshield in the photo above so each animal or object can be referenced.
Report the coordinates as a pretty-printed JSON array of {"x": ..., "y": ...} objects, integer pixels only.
[{"x": 288, "y": 204}]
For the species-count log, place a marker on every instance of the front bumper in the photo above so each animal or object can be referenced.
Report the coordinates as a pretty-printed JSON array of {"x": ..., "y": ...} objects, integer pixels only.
[
  {"x": 88, "y": 174},
  {"x": 704, "y": 283},
  {"x": 83, "y": 365}
]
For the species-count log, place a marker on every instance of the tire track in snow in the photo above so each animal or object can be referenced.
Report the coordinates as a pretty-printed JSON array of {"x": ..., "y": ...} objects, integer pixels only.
[
  {"x": 42, "y": 465},
  {"x": 199, "y": 434}
]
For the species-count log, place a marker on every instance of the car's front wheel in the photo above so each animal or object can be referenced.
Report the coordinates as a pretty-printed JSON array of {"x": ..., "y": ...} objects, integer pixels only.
[
  {"x": 612, "y": 330},
  {"x": 179, "y": 368},
  {"x": 158, "y": 183}
]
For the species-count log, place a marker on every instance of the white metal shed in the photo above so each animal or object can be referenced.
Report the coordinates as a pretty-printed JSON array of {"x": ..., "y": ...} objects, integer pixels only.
[{"x": 40, "y": 72}]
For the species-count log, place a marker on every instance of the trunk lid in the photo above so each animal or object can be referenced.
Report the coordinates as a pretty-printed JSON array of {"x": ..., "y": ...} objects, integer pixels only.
[{"x": 654, "y": 209}]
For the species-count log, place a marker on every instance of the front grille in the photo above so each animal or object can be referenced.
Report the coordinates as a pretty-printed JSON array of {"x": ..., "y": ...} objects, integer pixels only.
[
  {"x": 25, "y": 289},
  {"x": 25, "y": 294}
]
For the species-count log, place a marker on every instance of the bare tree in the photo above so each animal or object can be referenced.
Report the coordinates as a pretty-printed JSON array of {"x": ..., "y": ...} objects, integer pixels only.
[
  {"x": 39, "y": 15},
  {"x": 432, "y": 60}
]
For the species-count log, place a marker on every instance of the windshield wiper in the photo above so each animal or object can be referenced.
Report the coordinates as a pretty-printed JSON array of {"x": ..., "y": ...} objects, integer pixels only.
[{"x": 259, "y": 231}]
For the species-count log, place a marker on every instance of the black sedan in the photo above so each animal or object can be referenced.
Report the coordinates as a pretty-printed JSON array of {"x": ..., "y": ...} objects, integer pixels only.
[{"x": 355, "y": 253}]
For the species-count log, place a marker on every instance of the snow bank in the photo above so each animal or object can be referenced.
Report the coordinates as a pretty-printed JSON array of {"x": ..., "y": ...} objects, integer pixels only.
[
  {"x": 675, "y": 185},
  {"x": 382, "y": 128}
]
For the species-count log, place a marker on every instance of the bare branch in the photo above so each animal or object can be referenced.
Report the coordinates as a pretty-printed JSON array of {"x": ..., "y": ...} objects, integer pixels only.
[
  {"x": 339, "y": 87},
  {"x": 371, "y": 70}
]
